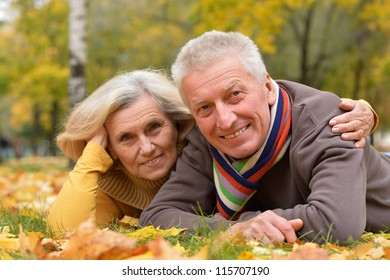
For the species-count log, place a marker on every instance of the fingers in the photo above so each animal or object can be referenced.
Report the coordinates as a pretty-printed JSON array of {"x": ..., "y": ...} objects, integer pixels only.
[
  {"x": 297, "y": 224},
  {"x": 269, "y": 227},
  {"x": 360, "y": 143},
  {"x": 348, "y": 104},
  {"x": 354, "y": 125},
  {"x": 100, "y": 137}
]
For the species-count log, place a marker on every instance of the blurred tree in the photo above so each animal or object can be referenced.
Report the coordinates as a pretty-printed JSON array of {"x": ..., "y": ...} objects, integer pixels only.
[
  {"x": 132, "y": 34},
  {"x": 341, "y": 46},
  {"x": 77, "y": 50},
  {"x": 331, "y": 44},
  {"x": 38, "y": 66}
]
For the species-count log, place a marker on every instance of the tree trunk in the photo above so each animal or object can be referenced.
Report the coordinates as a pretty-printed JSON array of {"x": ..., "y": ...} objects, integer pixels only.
[
  {"x": 77, "y": 53},
  {"x": 77, "y": 50}
]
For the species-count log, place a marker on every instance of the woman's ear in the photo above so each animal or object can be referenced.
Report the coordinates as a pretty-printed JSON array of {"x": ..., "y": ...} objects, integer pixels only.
[{"x": 111, "y": 151}]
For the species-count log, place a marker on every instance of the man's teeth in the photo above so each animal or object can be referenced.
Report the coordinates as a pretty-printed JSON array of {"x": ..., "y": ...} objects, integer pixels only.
[{"x": 238, "y": 133}]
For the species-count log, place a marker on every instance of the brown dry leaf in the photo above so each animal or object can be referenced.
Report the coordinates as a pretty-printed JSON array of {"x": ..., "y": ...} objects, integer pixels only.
[
  {"x": 30, "y": 244},
  {"x": 158, "y": 249},
  {"x": 307, "y": 251},
  {"x": 90, "y": 243},
  {"x": 361, "y": 250},
  {"x": 162, "y": 250},
  {"x": 387, "y": 253}
]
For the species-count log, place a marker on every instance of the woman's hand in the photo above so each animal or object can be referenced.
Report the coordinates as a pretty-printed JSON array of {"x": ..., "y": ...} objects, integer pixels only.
[
  {"x": 100, "y": 137},
  {"x": 356, "y": 124}
]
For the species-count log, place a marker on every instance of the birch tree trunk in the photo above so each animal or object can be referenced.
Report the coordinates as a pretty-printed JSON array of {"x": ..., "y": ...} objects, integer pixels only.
[{"x": 77, "y": 50}]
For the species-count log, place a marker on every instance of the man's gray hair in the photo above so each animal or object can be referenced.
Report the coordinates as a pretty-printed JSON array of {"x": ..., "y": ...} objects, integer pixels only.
[{"x": 203, "y": 50}]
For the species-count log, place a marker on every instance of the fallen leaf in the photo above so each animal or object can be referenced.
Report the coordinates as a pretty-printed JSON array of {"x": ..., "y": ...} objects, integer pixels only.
[
  {"x": 307, "y": 251},
  {"x": 91, "y": 243},
  {"x": 151, "y": 232},
  {"x": 361, "y": 250},
  {"x": 387, "y": 253}
]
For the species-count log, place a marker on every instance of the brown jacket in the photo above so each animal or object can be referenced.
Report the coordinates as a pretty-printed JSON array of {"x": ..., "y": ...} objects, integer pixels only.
[{"x": 336, "y": 189}]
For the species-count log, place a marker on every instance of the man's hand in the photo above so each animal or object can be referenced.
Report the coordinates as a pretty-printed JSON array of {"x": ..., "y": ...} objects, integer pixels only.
[
  {"x": 354, "y": 125},
  {"x": 269, "y": 227}
]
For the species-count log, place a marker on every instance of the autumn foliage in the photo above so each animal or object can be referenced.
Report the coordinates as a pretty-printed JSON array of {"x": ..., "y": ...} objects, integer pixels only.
[{"x": 28, "y": 186}]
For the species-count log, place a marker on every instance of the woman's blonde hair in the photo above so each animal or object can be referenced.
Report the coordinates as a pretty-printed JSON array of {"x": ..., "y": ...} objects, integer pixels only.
[{"x": 116, "y": 94}]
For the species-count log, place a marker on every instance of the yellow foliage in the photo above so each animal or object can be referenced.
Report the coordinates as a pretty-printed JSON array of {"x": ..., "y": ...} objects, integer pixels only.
[{"x": 151, "y": 232}]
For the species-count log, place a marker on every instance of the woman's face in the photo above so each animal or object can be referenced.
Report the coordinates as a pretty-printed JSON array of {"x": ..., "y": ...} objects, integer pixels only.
[{"x": 143, "y": 138}]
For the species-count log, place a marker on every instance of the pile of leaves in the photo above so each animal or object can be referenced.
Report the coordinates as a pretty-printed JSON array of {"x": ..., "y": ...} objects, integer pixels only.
[{"x": 29, "y": 186}]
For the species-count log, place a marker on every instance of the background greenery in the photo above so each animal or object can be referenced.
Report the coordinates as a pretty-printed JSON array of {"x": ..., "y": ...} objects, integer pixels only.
[{"x": 336, "y": 45}]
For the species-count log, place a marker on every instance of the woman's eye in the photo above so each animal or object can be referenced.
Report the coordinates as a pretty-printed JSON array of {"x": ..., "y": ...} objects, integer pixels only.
[
  {"x": 125, "y": 137},
  {"x": 154, "y": 126}
]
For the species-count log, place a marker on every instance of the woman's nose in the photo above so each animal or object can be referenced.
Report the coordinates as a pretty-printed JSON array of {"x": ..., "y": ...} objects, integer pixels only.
[{"x": 147, "y": 146}]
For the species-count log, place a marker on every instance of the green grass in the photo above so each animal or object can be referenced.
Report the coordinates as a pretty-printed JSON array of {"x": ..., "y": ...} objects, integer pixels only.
[{"x": 28, "y": 219}]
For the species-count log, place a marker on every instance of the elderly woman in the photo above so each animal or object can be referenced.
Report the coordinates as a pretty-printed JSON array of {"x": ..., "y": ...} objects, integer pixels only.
[{"x": 125, "y": 137}]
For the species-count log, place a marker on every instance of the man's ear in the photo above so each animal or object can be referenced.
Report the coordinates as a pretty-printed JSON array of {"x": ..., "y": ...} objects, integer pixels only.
[{"x": 271, "y": 94}]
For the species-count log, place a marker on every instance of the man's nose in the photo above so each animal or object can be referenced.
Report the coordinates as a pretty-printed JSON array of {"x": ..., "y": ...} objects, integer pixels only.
[{"x": 225, "y": 116}]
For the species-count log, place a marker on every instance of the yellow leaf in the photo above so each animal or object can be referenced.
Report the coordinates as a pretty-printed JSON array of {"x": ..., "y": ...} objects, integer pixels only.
[
  {"x": 151, "y": 232},
  {"x": 8, "y": 243},
  {"x": 246, "y": 256}
]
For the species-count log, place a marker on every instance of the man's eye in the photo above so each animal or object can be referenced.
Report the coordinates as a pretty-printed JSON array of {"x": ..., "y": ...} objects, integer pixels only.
[{"x": 203, "y": 108}]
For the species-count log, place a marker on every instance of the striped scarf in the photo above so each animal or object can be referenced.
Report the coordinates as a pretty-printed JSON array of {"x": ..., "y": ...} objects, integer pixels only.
[{"x": 238, "y": 181}]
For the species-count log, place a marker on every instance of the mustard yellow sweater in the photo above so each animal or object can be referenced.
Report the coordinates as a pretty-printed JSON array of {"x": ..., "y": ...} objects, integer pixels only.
[{"x": 100, "y": 188}]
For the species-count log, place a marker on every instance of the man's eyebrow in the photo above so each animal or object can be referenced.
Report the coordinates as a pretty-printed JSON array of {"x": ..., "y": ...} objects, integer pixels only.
[
  {"x": 228, "y": 87},
  {"x": 196, "y": 102}
]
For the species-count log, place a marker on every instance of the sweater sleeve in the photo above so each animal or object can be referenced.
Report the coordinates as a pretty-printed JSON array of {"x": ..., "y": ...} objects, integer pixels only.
[{"x": 77, "y": 199}]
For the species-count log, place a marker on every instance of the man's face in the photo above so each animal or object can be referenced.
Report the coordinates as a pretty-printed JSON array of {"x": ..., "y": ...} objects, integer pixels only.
[{"x": 230, "y": 106}]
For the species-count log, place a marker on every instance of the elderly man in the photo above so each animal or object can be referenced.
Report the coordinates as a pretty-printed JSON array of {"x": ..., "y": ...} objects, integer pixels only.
[{"x": 263, "y": 158}]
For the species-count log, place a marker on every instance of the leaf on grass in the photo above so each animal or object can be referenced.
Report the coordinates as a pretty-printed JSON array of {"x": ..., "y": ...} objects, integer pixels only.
[
  {"x": 246, "y": 256},
  {"x": 361, "y": 250},
  {"x": 90, "y": 243},
  {"x": 387, "y": 253},
  {"x": 160, "y": 249},
  {"x": 151, "y": 232},
  {"x": 30, "y": 244},
  {"x": 376, "y": 253},
  {"x": 307, "y": 251},
  {"x": 8, "y": 241},
  {"x": 129, "y": 222}
]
